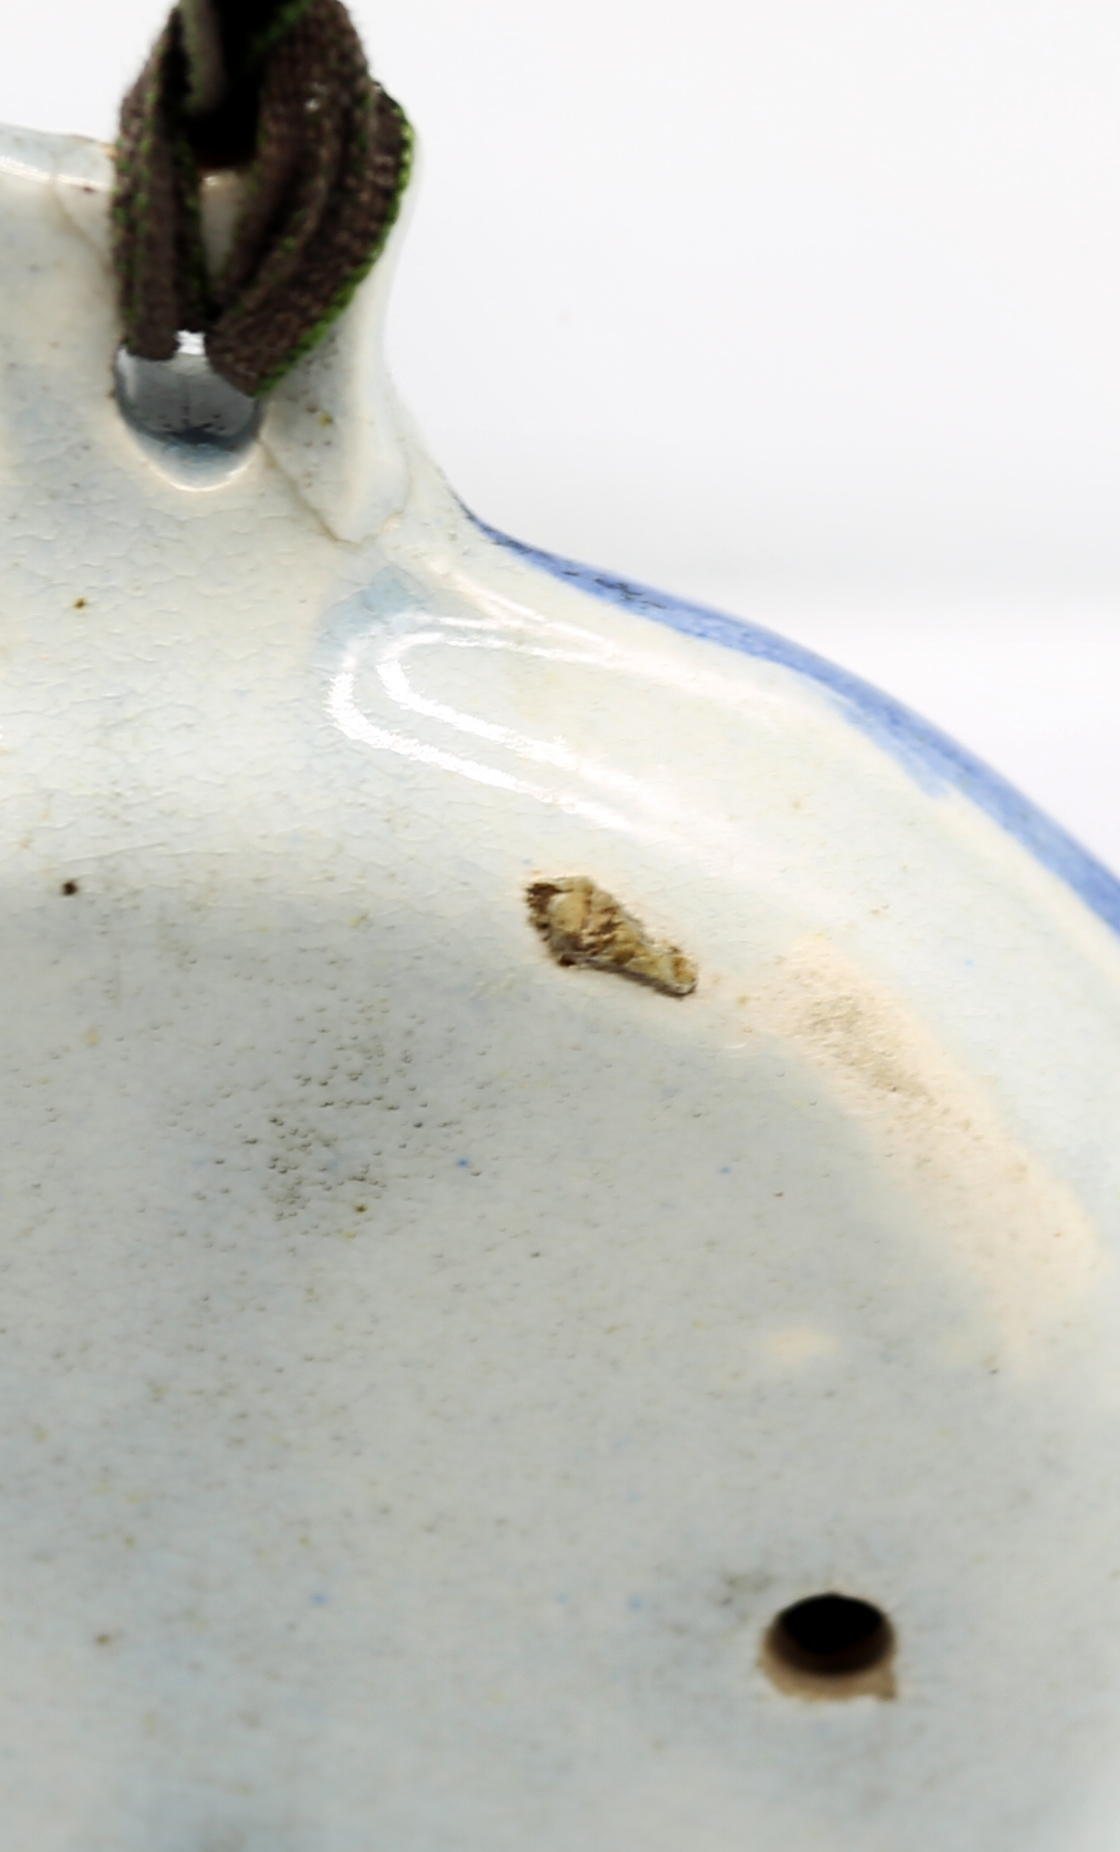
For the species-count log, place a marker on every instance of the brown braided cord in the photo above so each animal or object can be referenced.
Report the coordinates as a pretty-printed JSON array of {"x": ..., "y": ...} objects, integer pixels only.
[{"x": 283, "y": 91}]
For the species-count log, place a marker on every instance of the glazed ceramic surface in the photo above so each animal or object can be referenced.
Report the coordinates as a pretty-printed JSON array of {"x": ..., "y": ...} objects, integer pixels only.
[{"x": 427, "y": 1368}]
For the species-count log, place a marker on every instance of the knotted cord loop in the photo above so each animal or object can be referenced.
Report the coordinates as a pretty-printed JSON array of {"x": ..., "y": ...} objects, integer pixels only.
[{"x": 281, "y": 89}]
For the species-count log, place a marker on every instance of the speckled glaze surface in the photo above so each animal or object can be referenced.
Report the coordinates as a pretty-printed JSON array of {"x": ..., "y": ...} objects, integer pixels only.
[{"x": 427, "y": 1369}]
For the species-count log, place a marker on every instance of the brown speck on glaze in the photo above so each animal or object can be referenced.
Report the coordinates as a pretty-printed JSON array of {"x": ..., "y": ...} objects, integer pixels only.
[
  {"x": 69, "y": 887},
  {"x": 582, "y": 924}
]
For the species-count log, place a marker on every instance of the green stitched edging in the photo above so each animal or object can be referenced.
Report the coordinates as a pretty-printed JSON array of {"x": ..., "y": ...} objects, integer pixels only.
[
  {"x": 282, "y": 22},
  {"x": 315, "y": 333},
  {"x": 311, "y": 199}
]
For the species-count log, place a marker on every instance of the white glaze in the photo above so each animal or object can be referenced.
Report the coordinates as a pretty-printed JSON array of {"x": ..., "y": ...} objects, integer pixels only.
[{"x": 427, "y": 1370}]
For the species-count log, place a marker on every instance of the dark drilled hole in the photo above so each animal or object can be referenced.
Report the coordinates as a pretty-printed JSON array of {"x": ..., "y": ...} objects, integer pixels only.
[
  {"x": 184, "y": 402},
  {"x": 831, "y": 1636}
]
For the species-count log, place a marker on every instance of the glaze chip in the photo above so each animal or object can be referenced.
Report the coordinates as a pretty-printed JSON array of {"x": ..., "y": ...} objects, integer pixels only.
[{"x": 584, "y": 925}]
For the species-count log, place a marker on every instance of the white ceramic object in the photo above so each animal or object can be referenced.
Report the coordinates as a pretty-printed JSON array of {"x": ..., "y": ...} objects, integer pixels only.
[{"x": 428, "y": 1369}]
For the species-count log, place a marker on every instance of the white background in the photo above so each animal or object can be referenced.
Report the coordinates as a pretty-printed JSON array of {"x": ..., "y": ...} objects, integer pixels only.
[{"x": 810, "y": 308}]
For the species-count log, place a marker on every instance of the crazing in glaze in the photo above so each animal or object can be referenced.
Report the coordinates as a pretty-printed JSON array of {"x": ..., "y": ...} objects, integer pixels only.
[{"x": 451, "y": 1400}]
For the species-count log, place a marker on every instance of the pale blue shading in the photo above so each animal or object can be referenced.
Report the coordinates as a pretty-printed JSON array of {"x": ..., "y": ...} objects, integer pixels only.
[{"x": 930, "y": 756}]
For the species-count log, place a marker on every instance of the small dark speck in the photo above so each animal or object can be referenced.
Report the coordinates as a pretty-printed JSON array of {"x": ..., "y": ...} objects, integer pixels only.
[
  {"x": 79, "y": 604},
  {"x": 69, "y": 887},
  {"x": 725, "y": 1170},
  {"x": 462, "y": 1163},
  {"x": 779, "y": 1192}
]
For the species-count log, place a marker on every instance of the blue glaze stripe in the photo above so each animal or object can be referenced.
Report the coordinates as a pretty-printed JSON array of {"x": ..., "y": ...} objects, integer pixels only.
[{"x": 929, "y": 755}]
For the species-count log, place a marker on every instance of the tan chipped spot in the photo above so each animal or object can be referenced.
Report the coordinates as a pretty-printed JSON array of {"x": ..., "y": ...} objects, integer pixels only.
[
  {"x": 584, "y": 925},
  {"x": 794, "y": 1346}
]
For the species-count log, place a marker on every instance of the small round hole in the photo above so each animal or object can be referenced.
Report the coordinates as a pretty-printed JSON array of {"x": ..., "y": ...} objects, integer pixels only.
[
  {"x": 831, "y": 1646},
  {"x": 183, "y": 402}
]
